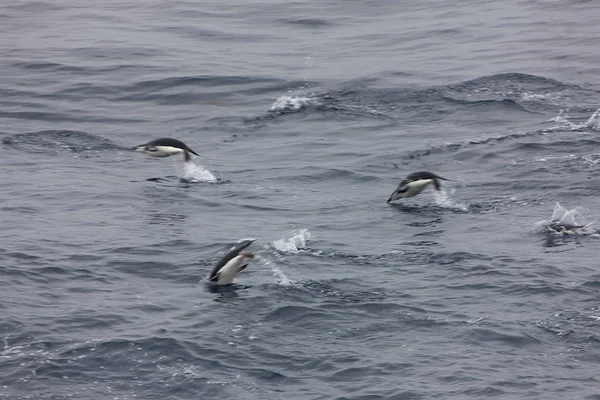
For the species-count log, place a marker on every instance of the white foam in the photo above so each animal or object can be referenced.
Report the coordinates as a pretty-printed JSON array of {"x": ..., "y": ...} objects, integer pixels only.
[
  {"x": 551, "y": 158},
  {"x": 286, "y": 104},
  {"x": 533, "y": 96},
  {"x": 589, "y": 160},
  {"x": 554, "y": 98}
]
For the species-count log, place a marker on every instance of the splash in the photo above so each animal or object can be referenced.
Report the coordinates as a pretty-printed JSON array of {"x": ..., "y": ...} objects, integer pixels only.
[
  {"x": 291, "y": 104},
  {"x": 566, "y": 222},
  {"x": 294, "y": 242},
  {"x": 593, "y": 122},
  {"x": 563, "y": 216},
  {"x": 291, "y": 243},
  {"x": 196, "y": 173},
  {"x": 443, "y": 199},
  {"x": 563, "y": 123},
  {"x": 282, "y": 278}
]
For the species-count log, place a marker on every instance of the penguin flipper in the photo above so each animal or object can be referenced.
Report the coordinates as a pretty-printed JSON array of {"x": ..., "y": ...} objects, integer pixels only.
[{"x": 214, "y": 278}]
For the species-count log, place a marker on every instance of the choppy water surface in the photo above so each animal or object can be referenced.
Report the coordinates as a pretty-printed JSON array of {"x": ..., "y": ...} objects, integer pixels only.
[{"x": 307, "y": 115}]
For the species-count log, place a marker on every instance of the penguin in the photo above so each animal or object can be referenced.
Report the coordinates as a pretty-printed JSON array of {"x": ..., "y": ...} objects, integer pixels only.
[
  {"x": 165, "y": 147},
  {"x": 414, "y": 184},
  {"x": 230, "y": 264}
]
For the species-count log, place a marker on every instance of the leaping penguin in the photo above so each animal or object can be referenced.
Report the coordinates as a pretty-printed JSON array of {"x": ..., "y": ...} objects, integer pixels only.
[
  {"x": 414, "y": 184},
  {"x": 233, "y": 262},
  {"x": 165, "y": 147}
]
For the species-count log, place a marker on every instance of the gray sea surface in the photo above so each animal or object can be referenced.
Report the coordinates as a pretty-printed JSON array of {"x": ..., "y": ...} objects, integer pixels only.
[{"x": 307, "y": 114}]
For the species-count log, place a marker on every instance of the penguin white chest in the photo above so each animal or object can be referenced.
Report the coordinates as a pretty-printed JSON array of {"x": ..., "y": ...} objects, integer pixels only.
[
  {"x": 165, "y": 151},
  {"x": 229, "y": 270},
  {"x": 416, "y": 187}
]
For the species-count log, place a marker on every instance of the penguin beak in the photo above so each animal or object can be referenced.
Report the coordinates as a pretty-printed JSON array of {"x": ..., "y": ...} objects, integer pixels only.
[
  {"x": 139, "y": 147},
  {"x": 394, "y": 196}
]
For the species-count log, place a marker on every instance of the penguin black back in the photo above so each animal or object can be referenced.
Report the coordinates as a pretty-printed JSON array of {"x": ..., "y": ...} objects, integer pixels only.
[{"x": 170, "y": 142}]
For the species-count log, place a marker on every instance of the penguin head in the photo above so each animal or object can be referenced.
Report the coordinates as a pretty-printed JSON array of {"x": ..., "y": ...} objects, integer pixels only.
[
  {"x": 410, "y": 189},
  {"x": 151, "y": 149},
  {"x": 399, "y": 193},
  {"x": 157, "y": 150}
]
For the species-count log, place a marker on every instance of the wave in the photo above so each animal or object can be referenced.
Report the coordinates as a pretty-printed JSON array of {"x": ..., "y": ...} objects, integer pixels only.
[
  {"x": 206, "y": 80},
  {"x": 336, "y": 292},
  {"x": 358, "y": 100},
  {"x": 512, "y": 92},
  {"x": 507, "y": 85},
  {"x": 591, "y": 124},
  {"x": 57, "y": 141},
  {"x": 576, "y": 327},
  {"x": 321, "y": 103},
  {"x": 530, "y": 93},
  {"x": 194, "y": 89}
]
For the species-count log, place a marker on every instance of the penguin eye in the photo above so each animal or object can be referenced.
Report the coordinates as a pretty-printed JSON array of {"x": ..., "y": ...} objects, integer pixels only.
[{"x": 151, "y": 148}]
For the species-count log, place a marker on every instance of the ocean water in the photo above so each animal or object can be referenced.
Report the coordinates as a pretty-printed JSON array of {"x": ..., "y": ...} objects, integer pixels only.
[{"x": 306, "y": 114}]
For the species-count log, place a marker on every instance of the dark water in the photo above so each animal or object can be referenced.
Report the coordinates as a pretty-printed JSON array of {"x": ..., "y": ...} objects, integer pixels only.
[{"x": 307, "y": 115}]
